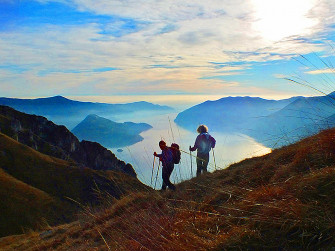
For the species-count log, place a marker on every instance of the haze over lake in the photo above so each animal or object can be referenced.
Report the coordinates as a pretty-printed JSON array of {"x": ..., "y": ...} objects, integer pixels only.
[{"x": 230, "y": 148}]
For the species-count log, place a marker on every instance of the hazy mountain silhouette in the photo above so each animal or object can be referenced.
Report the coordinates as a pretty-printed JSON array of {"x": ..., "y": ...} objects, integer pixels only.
[
  {"x": 68, "y": 112},
  {"x": 271, "y": 122},
  {"x": 109, "y": 133},
  {"x": 230, "y": 114},
  {"x": 303, "y": 117}
]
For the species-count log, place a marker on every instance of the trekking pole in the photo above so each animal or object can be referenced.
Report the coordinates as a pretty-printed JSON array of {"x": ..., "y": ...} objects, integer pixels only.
[
  {"x": 191, "y": 165},
  {"x": 214, "y": 158},
  {"x": 152, "y": 171},
  {"x": 157, "y": 173}
]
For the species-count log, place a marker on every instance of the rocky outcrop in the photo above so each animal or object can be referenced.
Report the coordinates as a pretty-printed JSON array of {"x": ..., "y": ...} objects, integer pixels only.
[{"x": 51, "y": 139}]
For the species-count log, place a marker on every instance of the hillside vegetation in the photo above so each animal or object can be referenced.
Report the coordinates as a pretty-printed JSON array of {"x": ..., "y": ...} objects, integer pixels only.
[
  {"x": 280, "y": 201},
  {"x": 37, "y": 189}
]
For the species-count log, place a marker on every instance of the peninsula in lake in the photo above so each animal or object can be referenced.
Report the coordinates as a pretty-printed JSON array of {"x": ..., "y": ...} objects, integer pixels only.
[{"x": 109, "y": 133}]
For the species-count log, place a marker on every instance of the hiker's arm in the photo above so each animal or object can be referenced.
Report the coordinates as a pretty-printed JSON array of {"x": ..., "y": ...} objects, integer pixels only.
[
  {"x": 196, "y": 145},
  {"x": 157, "y": 155},
  {"x": 213, "y": 142}
]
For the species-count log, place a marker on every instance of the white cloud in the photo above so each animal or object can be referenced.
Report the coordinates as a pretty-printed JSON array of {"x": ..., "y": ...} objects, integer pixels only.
[
  {"x": 280, "y": 76},
  {"x": 158, "y": 11},
  {"x": 198, "y": 32},
  {"x": 323, "y": 71}
]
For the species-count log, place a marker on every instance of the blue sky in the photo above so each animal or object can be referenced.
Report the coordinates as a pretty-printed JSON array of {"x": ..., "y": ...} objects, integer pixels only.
[{"x": 102, "y": 48}]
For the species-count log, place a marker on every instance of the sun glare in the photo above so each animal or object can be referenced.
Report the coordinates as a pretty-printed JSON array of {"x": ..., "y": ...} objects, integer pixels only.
[{"x": 278, "y": 19}]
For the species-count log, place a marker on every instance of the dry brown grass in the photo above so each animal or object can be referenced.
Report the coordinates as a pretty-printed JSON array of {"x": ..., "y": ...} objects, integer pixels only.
[
  {"x": 37, "y": 190},
  {"x": 281, "y": 201}
]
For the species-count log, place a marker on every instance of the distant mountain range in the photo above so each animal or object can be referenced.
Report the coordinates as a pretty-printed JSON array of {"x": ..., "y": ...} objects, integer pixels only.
[
  {"x": 109, "y": 133},
  {"x": 272, "y": 122},
  {"x": 68, "y": 112},
  {"x": 301, "y": 118},
  {"x": 229, "y": 114}
]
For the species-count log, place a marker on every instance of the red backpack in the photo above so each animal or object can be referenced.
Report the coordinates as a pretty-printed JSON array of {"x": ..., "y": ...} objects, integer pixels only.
[{"x": 175, "y": 153}]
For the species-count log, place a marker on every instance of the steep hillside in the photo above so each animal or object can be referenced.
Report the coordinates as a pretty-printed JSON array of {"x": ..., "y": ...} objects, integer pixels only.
[
  {"x": 280, "y": 201},
  {"x": 37, "y": 189},
  {"x": 109, "y": 133},
  {"x": 24, "y": 206},
  {"x": 48, "y": 138}
]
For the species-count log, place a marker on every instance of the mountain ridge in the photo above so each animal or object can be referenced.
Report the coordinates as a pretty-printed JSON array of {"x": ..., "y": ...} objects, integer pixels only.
[
  {"x": 49, "y": 138},
  {"x": 69, "y": 112},
  {"x": 273, "y": 123},
  {"x": 64, "y": 100},
  {"x": 303, "y": 117},
  {"x": 39, "y": 189},
  {"x": 229, "y": 113}
]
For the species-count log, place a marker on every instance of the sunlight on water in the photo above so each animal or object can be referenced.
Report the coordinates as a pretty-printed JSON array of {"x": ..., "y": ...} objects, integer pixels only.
[{"x": 230, "y": 148}]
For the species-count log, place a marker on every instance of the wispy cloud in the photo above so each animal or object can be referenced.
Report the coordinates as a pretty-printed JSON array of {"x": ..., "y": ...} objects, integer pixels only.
[
  {"x": 279, "y": 76},
  {"x": 52, "y": 71},
  {"x": 161, "y": 46},
  {"x": 322, "y": 71}
]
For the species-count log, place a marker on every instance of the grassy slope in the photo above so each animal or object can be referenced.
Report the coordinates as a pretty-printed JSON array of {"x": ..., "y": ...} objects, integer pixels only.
[
  {"x": 23, "y": 205},
  {"x": 283, "y": 200},
  {"x": 35, "y": 186}
]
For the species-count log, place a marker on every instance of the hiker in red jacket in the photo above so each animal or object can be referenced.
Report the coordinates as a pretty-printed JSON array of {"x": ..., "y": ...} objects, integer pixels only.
[
  {"x": 168, "y": 165},
  {"x": 203, "y": 143}
]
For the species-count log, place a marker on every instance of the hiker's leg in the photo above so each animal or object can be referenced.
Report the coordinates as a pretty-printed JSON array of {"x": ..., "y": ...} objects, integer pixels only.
[
  {"x": 201, "y": 159},
  {"x": 169, "y": 172},
  {"x": 164, "y": 177},
  {"x": 205, "y": 162},
  {"x": 199, "y": 165}
]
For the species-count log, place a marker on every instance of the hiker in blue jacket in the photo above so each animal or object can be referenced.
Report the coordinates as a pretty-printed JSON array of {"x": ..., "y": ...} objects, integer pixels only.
[
  {"x": 203, "y": 144},
  {"x": 166, "y": 157}
]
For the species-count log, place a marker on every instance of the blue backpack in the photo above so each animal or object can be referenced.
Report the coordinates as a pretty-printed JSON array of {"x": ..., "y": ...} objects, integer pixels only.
[{"x": 205, "y": 145}]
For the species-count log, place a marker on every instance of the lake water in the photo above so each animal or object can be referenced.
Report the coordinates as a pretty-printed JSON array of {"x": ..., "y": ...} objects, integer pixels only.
[{"x": 230, "y": 148}]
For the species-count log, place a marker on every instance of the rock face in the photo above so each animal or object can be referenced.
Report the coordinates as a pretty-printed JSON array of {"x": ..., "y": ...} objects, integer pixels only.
[{"x": 48, "y": 138}]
